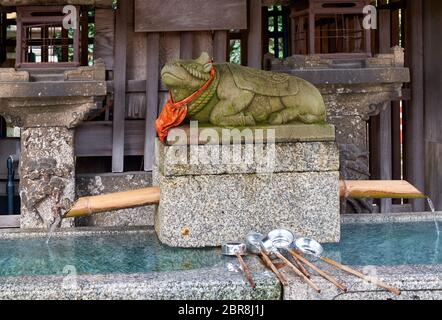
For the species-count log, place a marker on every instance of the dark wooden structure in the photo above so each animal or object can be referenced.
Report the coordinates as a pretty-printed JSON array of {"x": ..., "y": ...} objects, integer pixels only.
[
  {"x": 331, "y": 27},
  {"x": 133, "y": 40}
]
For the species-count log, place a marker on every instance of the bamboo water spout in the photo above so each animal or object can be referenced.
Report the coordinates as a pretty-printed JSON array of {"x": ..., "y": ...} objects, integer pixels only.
[{"x": 149, "y": 196}]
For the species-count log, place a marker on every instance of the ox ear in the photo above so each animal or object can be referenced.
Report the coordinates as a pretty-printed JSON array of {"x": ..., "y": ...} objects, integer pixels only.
[{"x": 204, "y": 58}]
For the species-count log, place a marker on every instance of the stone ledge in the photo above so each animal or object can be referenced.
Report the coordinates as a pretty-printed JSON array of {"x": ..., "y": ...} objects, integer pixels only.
[
  {"x": 275, "y": 158},
  {"x": 295, "y": 132}
]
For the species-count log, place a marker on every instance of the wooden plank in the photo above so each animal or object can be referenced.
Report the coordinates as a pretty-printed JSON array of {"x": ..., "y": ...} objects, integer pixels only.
[
  {"x": 152, "y": 84},
  {"x": 189, "y": 15},
  {"x": 94, "y": 139},
  {"x": 186, "y": 45},
  {"x": 414, "y": 115},
  {"x": 104, "y": 36},
  {"x": 220, "y": 47},
  {"x": 254, "y": 41},
  {"x": 120, "y": 89},
  {"x": 9, "y": 222}
]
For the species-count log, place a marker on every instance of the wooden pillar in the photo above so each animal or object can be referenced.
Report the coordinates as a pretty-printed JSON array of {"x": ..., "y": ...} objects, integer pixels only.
[
  {"x": 153, "y": 65},
  {"x": 119, "y": 89},
  {"x": 186, "y": 49},
  {"x": 414, "y": 112},
  {"x": 311, "y": 32},
  {"x": 385, "y": 145},
  {"x": 84, "y": 37},
  {"x": 220, "y": 46},
  {"x": 254, "y": 41}
]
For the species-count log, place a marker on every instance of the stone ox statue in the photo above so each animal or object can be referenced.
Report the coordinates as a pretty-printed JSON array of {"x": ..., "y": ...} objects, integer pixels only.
[{"x": 231, "y": 95}]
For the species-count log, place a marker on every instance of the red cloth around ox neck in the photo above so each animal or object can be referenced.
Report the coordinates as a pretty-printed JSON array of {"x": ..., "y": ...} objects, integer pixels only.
[{"x": 174, "y": 113}]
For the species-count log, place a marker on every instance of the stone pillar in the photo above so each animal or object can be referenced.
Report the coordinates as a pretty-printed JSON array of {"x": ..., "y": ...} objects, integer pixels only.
[
  {"x": 47, "y": 175},
  {"x": 47, "y": 160},
  {"x": 47, "y": 108}
]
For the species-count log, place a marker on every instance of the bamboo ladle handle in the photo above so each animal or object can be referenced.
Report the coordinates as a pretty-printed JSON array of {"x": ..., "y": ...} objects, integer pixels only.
[
  {"x": 245, "y": 269},
  {"x": 275, "y": 270},
  {"x": 300, "y": 266},
  {"x": 322, "y": 273},
  {"x": 299, "y": 273},
  {"x": 361, "y": 275}
]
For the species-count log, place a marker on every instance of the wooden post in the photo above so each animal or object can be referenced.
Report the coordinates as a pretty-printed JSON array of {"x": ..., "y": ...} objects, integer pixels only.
[
  {"x": 153, "y": 58},
  {"x": 119, "y": 89},
  {"x": 186, "y": 48},
  {"x": 254, "y": 41},
  {"x": 385, "y": 153},
  {"x": 385, "y": 146},
  {"x": 84, "y": 37},
  {"x": 220, "y": 46},
  {"x": 311, "y": 32},
  {"x": 414, "y": 115}
]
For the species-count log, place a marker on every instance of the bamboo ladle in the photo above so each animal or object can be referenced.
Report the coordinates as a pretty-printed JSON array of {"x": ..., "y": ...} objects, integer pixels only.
[
  {"x": 279, "y": 239},
  {"x": 254, "y": 245},
  {"x": 312, "y": 247},
  {"x": 238, "y": 250}
]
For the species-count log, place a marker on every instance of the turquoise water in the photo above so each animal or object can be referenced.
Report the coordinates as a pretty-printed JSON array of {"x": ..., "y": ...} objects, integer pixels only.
[
  {"x": 99, "y": 254},
  {"x": 387, "y": 244},
  {"x": 361, "y": 244}
]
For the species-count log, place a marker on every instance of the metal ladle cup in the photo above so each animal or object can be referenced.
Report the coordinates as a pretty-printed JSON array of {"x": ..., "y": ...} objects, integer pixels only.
[
  {"x": 314, "y": 248},
  {"x": 282, "y": 239},
  {"x": 254, "y": 245},
  {"x": 238, "y": 249}
]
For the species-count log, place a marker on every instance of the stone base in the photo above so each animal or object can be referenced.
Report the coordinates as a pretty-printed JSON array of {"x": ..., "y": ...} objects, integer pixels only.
[{"x": 206, "y": 204}]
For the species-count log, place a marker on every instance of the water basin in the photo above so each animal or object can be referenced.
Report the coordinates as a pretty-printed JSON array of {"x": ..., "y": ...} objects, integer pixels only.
[
  {"x": 387, "y": 244},
  {"x": 138, "y": 252}
]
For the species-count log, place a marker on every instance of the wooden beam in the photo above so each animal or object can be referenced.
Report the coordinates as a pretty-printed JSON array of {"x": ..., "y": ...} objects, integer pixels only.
[
  {"x": 153, "y": 65},
  {"x": 189, "y": 15},
  {"x": 119, "y": 89},
  {"x": 254, "y": 42}
]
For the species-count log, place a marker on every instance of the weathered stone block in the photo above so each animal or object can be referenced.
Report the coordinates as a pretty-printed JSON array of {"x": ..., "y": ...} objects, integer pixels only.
[{"x": 204, "y": 205}]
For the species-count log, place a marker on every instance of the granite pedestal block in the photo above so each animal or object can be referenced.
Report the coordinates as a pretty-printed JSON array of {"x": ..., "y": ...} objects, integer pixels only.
[{"x": 205, "y": 200}]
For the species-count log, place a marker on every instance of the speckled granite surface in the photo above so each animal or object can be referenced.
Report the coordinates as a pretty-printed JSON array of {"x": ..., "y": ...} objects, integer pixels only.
[
  {"x": 280, "y": 157},
  {"x": 415, "y": 283},
  {"x": 206, "y": 204},
  {"x": 202, "y": 284},
  {"x": 199, "y": 211}
]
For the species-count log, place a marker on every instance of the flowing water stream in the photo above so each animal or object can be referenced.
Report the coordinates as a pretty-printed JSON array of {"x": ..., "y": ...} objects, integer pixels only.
[{"x": 433, "y": 209}]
